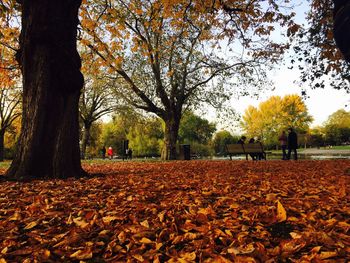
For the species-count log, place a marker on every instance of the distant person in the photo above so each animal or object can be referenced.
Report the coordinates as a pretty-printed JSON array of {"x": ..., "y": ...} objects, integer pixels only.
[
  {"x": 103, "y": 152},
  {"x": 242, "y": 140},
  {"x": 254, "y": 156},
  {"x": 110, "y": 152},
  {"x": 130, "y": 153},
  {"x": 292, "y": 144},
  {"x": 283, "y": 139},
  {"x": 127, "y": 154},
  {"x": 261, "y": 156}
]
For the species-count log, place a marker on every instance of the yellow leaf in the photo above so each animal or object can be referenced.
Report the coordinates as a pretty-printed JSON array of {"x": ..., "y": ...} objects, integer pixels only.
[
  {"x": 103, "y": 233},
  {"x": 144, "y": 223},
  {"x": 2, "y": 260},
  {"x": 30, "y": 225},
  {"x": 316, "y": 249},
  {"x": 159, "y": 245},
  {"x": 328, "y": 254},
  {"x": 4, "y": 251},
  {"x": 138, "y": 257},
  {"x": 69, "y": 220},
  {"x": 16, "y": 216},
  {"x": 108, "y": 219},
  {"x": 295, "y": 235},
  {"x": 228, "y": 232},
  {"x": 82, "y": 254},
  {"x": 145, "y": 240},
  {"x": 80, "y": 222},
  {"x": 281, "y": 212},
  {"x": 161, "y": 216}
]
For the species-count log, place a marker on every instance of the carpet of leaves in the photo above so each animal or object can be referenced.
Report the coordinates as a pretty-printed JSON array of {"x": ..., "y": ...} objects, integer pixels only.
[{"x": 194, "y": 211}]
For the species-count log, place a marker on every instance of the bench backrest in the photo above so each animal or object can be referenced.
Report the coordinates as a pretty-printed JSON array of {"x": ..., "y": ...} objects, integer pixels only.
[
  {"x": 253, "y": 148},
  {"x": 234, "y": 148}
]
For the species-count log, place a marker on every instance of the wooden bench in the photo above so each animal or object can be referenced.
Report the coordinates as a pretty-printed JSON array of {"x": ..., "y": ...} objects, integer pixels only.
[{"x": 246, "y": 149}]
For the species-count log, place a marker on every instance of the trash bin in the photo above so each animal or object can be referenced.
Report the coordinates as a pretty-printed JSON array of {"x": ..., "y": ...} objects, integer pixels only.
[{"x": 185, "y": 152}]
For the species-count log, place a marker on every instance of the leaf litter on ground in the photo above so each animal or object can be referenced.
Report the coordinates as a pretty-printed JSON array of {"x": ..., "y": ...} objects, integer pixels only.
[{"x": 181, "y": 211}]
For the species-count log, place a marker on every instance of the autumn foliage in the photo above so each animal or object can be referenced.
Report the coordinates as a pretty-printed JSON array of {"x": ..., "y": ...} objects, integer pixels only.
[{"x": 196, "y": 211}]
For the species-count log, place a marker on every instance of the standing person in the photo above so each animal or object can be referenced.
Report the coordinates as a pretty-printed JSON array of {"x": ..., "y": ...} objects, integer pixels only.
[
  {"x": 110, "y": 152},
  {"x": 283, "y": 142},
  {"x": 103, "y": 151},
  {"x": 292, "y": 143},
  {"x": 127, "y": 153},
  {"x": 130, "y": 154}
]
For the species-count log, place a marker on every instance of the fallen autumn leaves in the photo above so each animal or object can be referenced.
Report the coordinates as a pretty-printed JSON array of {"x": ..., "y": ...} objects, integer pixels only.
[{"x": 197, "y": 211}]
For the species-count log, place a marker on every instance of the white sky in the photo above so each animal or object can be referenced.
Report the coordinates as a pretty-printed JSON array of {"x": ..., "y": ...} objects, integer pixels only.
[{"x": 321, "y": 104}]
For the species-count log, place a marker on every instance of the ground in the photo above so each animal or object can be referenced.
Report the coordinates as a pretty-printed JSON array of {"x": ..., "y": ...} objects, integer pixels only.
[{"x": 183, "y": 211}]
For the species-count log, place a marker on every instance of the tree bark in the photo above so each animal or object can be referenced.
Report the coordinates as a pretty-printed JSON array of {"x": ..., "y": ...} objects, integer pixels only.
[
  {"x": 48, "y": 145},
  {"x": 170, "y": 138},
  {"x": 342, "y": 26},
  {"x": 2, "y": 137}
]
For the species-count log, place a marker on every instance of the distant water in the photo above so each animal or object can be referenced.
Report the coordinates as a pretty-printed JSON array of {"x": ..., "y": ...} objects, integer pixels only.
[{"x": 300, "y": 156}]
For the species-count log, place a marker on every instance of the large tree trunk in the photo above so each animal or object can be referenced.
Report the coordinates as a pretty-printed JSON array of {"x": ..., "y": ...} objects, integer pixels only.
[
  {"x": 2, "y": 137},
  {"x": 48, "y": 146},
  {"x": 170, "y": 138},
  {"x": 342, "y": 26}
]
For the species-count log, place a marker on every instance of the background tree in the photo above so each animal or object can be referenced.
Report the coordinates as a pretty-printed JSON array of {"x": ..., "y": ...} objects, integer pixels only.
[
  {"x": 143, "y": 132},
  {"x": 337, "y": 128},
  {"x": 197, "y": 132},
  {"x": 222, "y": 138},
  {"x": 274, "y": 115},
  {"x": 167, "y": 52},
  {"x": 95, "y": 102},
  {"x": 50, "y": 65},
  {"x": 145, "y": 137},
  {"x": 10, "y": 100},
  {"x": 316, "y": 137}
]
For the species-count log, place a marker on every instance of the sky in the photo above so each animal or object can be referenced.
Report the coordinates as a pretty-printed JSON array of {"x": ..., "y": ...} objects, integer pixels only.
[{"x": 321, "y": 102}]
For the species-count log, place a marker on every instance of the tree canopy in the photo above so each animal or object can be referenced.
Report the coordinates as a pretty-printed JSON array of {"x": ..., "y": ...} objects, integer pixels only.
[
  {"x": 318, "y": 58},
  {"x": 168, "y": 55}
]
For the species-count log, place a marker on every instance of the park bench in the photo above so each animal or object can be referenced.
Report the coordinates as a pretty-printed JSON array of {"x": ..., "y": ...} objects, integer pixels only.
[{"x": 246, "y": 149}]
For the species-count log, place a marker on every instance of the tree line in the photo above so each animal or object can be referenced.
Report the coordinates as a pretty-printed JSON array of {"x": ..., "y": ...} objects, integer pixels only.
[{"x": 145, "y": 133}]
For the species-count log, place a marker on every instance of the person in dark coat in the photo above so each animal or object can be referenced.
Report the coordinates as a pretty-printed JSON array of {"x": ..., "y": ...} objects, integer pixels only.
[
  {"x": 242, "y": 140},
  {"x": 103, "y": 152},
  {"x": 254, "y": 156},
  {"x": 292, "y": 144}
]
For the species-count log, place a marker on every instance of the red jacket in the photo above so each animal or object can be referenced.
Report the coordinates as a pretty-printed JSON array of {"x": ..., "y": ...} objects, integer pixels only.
[{"x": 110, "y": 151}]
